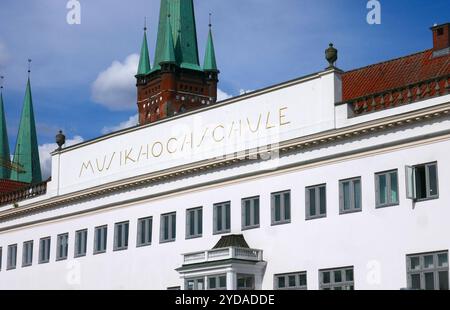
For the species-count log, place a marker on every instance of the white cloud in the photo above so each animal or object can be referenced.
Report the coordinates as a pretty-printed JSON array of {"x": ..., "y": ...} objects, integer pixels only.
[
  {"x": 244, "y": 91},
  {"x": 46, "y": 158},
  {"x": 4, "y": 56},
  {"x": 115, "y": 88},
  {"x": 221, "y": 95},
  {"x": 131, "y": 122}
]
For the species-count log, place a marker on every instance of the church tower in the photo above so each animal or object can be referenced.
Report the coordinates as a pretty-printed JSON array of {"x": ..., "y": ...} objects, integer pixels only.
[{"x": 176, "y": 83}]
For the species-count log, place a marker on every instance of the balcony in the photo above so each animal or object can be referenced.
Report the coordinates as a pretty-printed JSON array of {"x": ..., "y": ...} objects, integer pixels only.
[{"x": 223, "y": 254}]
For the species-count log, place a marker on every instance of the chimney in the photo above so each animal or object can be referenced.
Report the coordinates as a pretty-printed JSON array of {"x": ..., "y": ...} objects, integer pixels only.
[{"x": 441, "y": 39}]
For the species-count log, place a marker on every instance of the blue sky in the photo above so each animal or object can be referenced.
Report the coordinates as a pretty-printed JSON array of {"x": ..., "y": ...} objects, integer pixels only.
[{"x": 258, "y": 43}]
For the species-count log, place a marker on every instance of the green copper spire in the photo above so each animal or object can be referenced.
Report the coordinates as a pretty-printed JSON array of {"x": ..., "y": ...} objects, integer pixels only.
[
  {"x": 210, "y": 55},
  {"x": 4, "y": 143},
  {"x": 168, "y": 52},
  {"x": 144, "y": 61},
  {"x": 27, "y": 153},
  {"x": 184, "y": 33}
]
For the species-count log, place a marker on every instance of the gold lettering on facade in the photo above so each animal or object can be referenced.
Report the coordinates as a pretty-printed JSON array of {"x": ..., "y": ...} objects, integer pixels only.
[
  {"x": 85, "y": 166},
  {"x": 282, "y": 115},
  {"x": 223, "y": 133},
  {"x": 268, "y": 121},
  {"x": 203, "y": 137},
  {"x": 100, "y": 169},
  {"x": 257, "y": 127},
  {"x": 168, "y": 145},
  {"x": 161, "y": 149},
  {"x": 128, "y": 156}
]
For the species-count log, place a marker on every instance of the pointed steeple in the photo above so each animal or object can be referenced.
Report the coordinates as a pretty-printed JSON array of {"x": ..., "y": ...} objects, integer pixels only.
[
  {"x": 4, "y": 143},
  {"x": 144, "y": 61},
  {"x": 184, "y": 33},
  {"x": 26, "y": 153},
  {"x": 210, "y": 54},
  {"x": 168, "y": 52}
]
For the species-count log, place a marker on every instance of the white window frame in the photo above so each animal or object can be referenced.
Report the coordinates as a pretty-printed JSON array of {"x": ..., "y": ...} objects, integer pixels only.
[
  {"x": 318, "y": 201},
  {"x": 284, "y": 219},
  {"x": 389, "y": 202},
  {"x": 171, "y": 222},
  {"x": 217, "y": 279},
  {"x": 254, "y": 220},
  {"x": 196, "y": 281},
  {"x": 225, "y": 209},
  {"x": 27, "y": 253},
  {"x": 353, "y": 208},
  {"x": 44, "y": 250},
  {"x": 198, "y": 223}
]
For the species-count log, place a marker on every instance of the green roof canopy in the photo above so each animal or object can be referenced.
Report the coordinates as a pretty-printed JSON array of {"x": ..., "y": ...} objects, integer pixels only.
[
  {"x": 26, "y": 152},
  {"x": 144, "y": 61},
  {"x": 184, "y": 34},
  {"x": 4, "y": 143},
  {"x": 210, "y": 55}
]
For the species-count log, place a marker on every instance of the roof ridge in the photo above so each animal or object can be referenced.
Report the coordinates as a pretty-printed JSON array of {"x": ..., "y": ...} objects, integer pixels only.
[{"x": 388, "y": 61}]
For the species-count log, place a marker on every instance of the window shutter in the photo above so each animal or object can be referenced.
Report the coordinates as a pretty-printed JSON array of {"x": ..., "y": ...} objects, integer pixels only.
[
  {"x": 215, "y": 219},
  {"x": 377, "y": 190},
  {"x": 272, "y": 208},
  {"x": 410, "y": 183},
  {"x": 243, "y": 219}
]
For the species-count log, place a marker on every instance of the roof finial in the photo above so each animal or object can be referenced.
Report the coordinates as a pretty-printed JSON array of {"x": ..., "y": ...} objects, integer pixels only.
[
  {"x": 1, "y": 83},
  {"x": 145, "y": 23},
  {"x": 210, "y": 22},
  {"x": 29, "y": 67}
]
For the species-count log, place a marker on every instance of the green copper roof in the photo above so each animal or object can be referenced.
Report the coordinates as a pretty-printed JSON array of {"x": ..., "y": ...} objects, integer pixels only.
[
  {"x": 168, "y": 52},
  {"x": 26, "y": 153},
  {"x": 210, "y": 55},
  {"x": 144, "y": 61},
  {"x": 4, "y": 143},
  {"x": 184, "y": 33}
]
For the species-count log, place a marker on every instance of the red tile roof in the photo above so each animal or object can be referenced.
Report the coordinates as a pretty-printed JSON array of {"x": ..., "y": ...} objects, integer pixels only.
[{"x": 393, "y": 74}]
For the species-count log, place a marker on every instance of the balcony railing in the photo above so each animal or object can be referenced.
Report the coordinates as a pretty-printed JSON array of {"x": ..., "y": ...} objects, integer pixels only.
[
  {"x": 24, "y": 193},
  {"x": 223, "y": 254}
]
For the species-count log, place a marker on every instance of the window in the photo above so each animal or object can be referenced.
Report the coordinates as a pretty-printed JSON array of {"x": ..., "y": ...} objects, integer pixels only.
[
  {"x": 316, "y": 202},
  {"x": 80, "y": 243},
  {"x": 168, "y": 231},
  {"x": 144, "y": 231},
  {"x": 250, "y": 213},
  {"x": 291, "y": 281},
  {"x": 100, "y": 239},
  {"x": 12, "y": 257},
  {"x": 337, "y": 279},
  {"x": 27, "y": 254},
  {"x": 197, "y": 284},
  {"x": 350, "y": 195},
  {"x": 386, "y": 189},
  {"x": 281, "y": 207},
  {"x": 428, "y": 271},
  {"x": 222, "y": 218},
  {"x": 245, "y": 282},
  {"x": 194, "y": 223},
  {"x": 62, "y": 246},
  {"x": 217, "y": 282},
  {"x": 121, "y": 236},
  {"x": 44, "y": 250},
  {"x": 422, "y": 182}
]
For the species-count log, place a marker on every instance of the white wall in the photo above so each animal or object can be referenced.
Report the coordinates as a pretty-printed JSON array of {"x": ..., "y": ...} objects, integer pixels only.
[{"x": 383, "y": 236}]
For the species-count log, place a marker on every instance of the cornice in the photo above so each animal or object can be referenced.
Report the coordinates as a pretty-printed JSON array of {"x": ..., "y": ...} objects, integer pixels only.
[{"x": 303, "y": 143}]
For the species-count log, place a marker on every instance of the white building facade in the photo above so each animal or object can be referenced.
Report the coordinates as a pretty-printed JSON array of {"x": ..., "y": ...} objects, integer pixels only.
[{"x": 322, "y": 197}]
